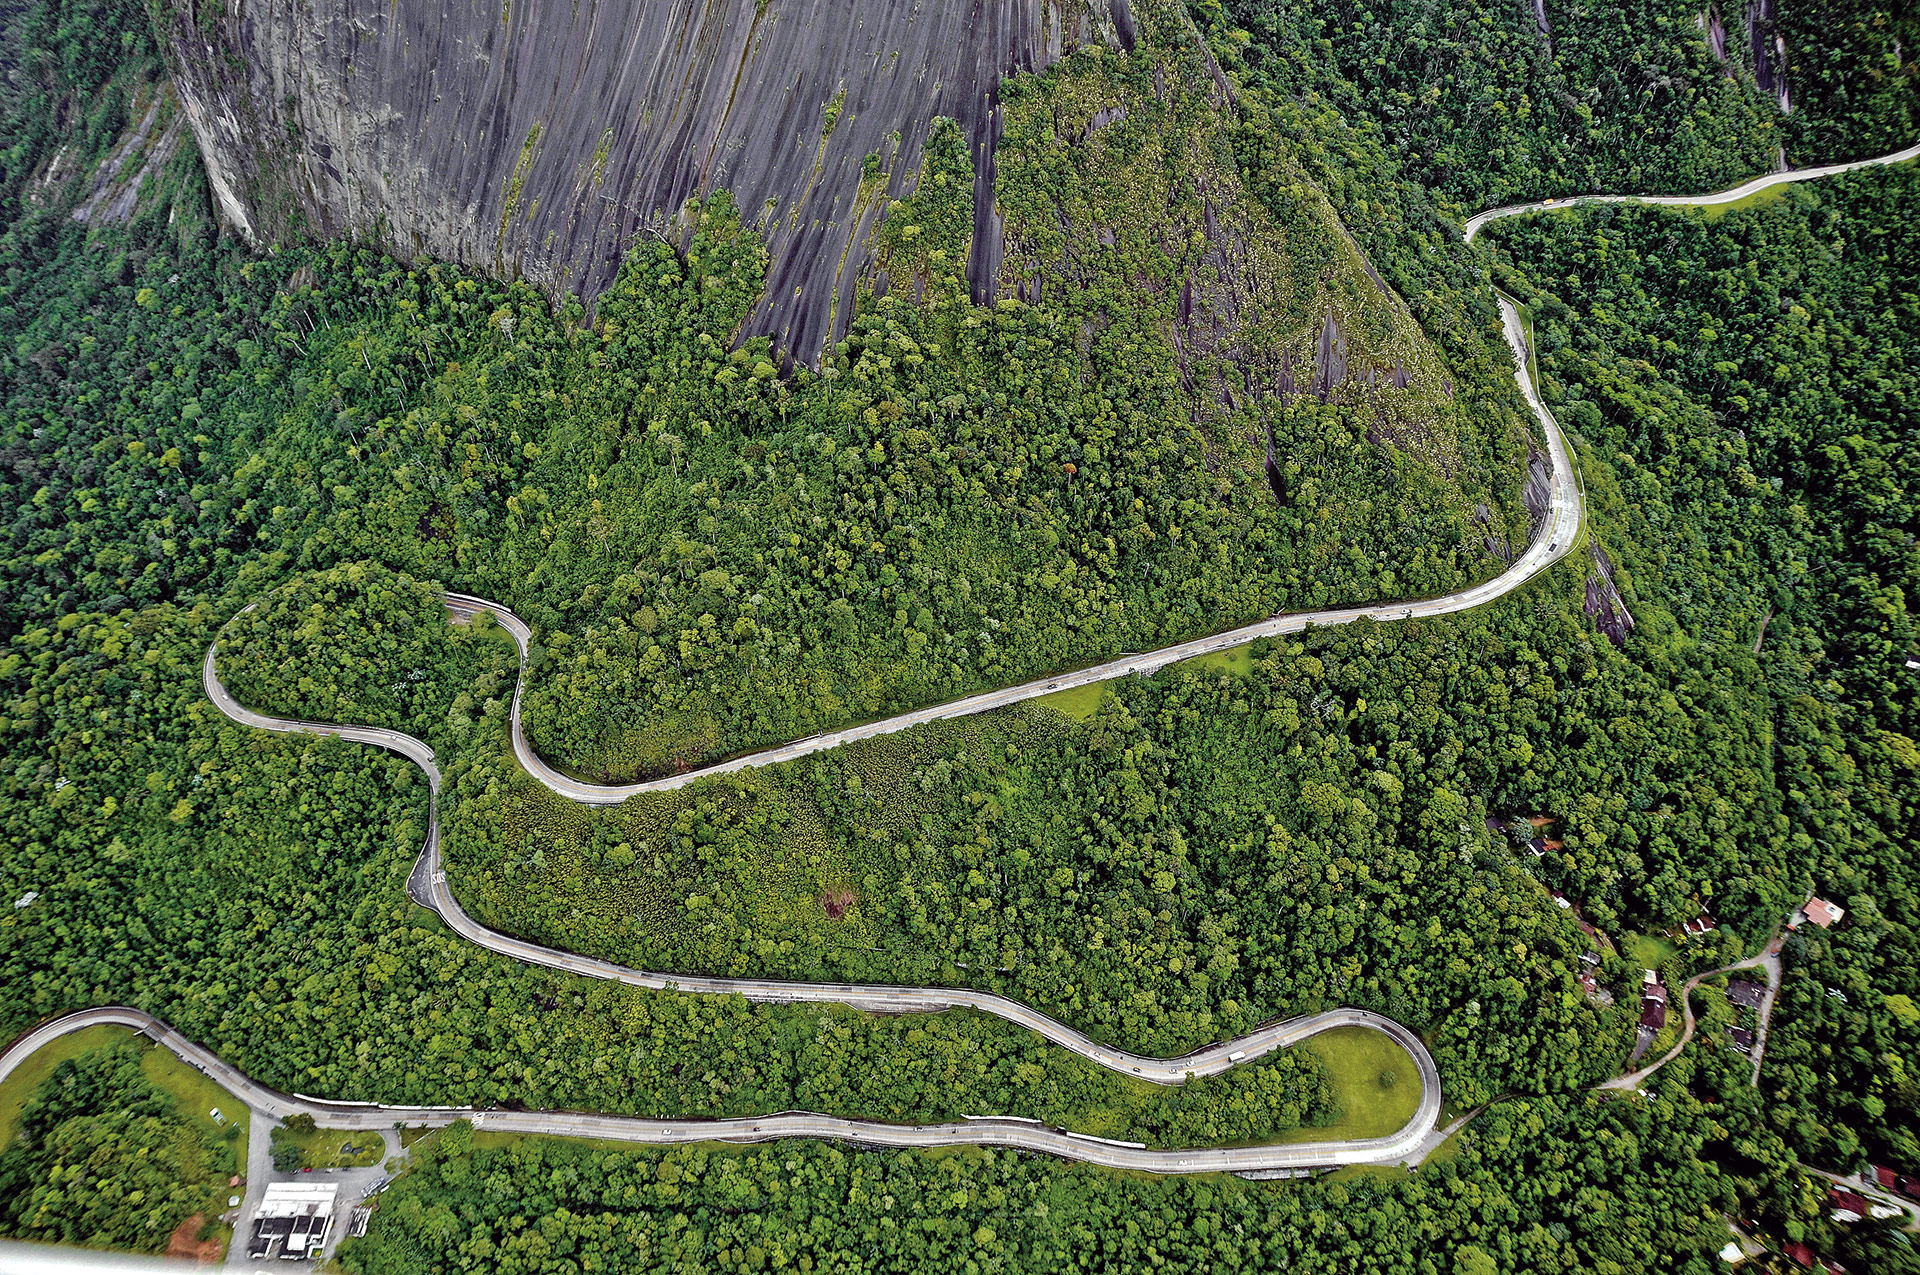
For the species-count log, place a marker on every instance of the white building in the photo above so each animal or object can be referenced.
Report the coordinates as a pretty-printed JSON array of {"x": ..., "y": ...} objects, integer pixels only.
[{"x": 292, "y": 1220}]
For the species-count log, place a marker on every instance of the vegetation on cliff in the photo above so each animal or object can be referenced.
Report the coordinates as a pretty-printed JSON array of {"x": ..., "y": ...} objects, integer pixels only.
[{"x": 187, "y": 429}]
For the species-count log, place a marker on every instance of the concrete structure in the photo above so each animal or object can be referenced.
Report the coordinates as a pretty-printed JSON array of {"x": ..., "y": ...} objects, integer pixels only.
[{"x": 292, "y": 1221}]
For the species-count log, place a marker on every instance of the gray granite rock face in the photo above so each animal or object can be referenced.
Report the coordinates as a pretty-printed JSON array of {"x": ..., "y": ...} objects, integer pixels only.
[{"x": 538, "y": 137}]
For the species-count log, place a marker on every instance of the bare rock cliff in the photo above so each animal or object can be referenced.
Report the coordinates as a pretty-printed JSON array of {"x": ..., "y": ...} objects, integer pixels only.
[{"x": 537, "y": 137}]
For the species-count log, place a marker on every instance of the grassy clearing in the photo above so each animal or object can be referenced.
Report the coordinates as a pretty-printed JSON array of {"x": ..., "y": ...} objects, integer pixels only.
[
  {"x": 1758, "y": 199},
  {"x": 33, "y": 1072},
  {"x": 335, "y": 1148},
  {"x": 1237, "y": 660},
  {"x": 1650, "y": 950},
  {"x": 198, "y": 1097},
  {"x": 1357, "y": 1058},
  {"x": 1078, "y": 703}
]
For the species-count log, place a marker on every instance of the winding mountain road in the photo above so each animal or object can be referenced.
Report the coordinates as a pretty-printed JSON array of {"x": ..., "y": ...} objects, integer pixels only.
[
  {"x": 1558, "y": 534},
  {"x": 1556, "y": 537},
  {"x": 427, "y": 884},
  {"x": 1732, "y": 195},
  {"x": 989, "y": 1131}
]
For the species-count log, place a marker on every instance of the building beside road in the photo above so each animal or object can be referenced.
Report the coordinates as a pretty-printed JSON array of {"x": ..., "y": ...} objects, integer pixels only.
[
  {"x": 1816, "y": 912},
  {"x": 1746, "y": 993},
  {"x": 292, "y": 1220}
]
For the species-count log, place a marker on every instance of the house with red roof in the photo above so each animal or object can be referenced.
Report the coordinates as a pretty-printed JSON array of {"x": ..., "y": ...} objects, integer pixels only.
[
  {"x": 1847, "y": 1205},
  {"x": 1817, "y": 912},
  {"x": 1899, "y": 1183}
]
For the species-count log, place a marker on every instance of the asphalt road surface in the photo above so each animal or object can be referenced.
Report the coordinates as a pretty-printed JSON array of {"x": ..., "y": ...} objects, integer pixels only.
[
  {"x": 1557, "y": 536},
  {"x": 270, "y": 1104}
]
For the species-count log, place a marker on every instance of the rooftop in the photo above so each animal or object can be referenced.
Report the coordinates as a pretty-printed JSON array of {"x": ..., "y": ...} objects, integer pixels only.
[
  {"x": 1744, "y": 991},
  {"x": 1822, "y": 913}
]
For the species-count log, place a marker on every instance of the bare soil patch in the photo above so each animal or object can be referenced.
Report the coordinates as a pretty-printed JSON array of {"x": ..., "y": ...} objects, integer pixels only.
[{"x": 183, "y": 1244}]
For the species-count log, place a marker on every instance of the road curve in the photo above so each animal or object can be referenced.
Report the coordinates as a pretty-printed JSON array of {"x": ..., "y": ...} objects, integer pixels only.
[
  {"x": 1553, "y": 541},
  {"x": 428, "y": 886},
  {"x": 787, "y": 1124},
  {"x": 1555, "y": 538},
  {"x": 1478, "y": 221}
]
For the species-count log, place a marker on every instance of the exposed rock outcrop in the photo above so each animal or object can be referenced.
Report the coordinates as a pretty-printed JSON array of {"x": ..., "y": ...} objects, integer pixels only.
[
  {"x": 1603, "y": 601},
  {"x": 538, "y": 137},
  {"x": 153, "y": 139},
  {"x": 1768, "y": 48}
]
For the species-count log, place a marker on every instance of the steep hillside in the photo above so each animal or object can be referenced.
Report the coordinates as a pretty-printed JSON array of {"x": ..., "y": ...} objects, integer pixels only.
[{"x": 538, "y": 137}]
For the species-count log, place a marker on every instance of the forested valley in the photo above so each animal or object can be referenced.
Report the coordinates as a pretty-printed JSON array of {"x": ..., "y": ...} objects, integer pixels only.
[
  {"x": 190, "y": 429},
  {"x": 1744, "y": 379}
]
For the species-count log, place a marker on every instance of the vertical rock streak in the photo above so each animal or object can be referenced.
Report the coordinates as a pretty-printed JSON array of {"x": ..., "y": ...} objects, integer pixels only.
[{"x": 538, "y": 137}]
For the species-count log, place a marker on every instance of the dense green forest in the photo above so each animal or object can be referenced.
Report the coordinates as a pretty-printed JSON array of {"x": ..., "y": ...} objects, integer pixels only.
[
  {"x": 367, "y": 646},
  {"x": 1747, "y": 376},
  {"x": 103, "y": 1157},
  {"x": 1491, "y": 102},
  {"x": 967, "y": 495},
  {"x": 1210, "y": 847},
  {"x": 1555, "y": 1184}
]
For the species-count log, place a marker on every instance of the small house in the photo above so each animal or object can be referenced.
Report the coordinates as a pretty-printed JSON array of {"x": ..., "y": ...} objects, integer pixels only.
[
  {"x": 1900, "y": 1183},
  {"x": 1847, "y": 1206},
  {"x": 1746, "y": 992},
  {"x": 1817, "y": 912}
]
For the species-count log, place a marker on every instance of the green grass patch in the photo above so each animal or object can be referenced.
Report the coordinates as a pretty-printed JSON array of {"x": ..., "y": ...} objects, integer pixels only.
[
  {"x": 1078, "y": 703},
  {"x": 1650, "y": 951},
  {"x": 32, "y": 1073},
  {"x": 1237, "y": 660},
  {"x": 199, "y": 1097},
  {"x": 334, "y": 1148},
  {"x": 1357, "y": 1059},
  {"x": 1758, "y": 199},
  {"x": 197, "y": 1094}
]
